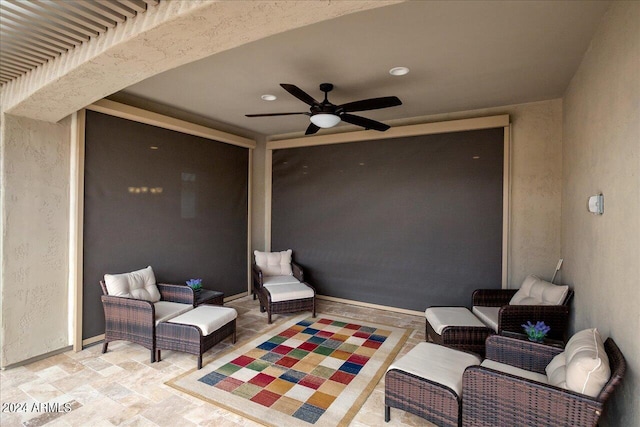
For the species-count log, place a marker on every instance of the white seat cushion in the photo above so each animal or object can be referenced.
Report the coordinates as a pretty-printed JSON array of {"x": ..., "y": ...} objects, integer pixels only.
[
  {"x": 279, "y": 280},
  {"x": 488, "y": 315},
  {"x": 289, "y": 291},
  {"x": 518, "y": 372},
  {"x": 140, "y": 284},
  {"x": 208, "y": 318},
  {"x": 274, "y": 263},
  {"x": 437, "y": 363},
  {"x": 535, "y": 291},
  {"x": 165, "y": 310},
  {"x": 441, "y": 317}
]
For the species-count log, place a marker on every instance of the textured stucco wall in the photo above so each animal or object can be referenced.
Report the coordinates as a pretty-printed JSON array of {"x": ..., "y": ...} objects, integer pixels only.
[
  {"x": 35, "y": 237},
  {"x": 601, "y": 153},
  {"x": 172, "y": 34}
]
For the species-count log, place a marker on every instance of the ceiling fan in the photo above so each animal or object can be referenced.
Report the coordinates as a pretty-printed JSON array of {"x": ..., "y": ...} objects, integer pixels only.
[{"x": 325, "y": 114}]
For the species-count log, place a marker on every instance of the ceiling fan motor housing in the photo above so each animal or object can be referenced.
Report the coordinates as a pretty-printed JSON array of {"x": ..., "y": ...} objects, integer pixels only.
[{"x": 326, "y": 87}]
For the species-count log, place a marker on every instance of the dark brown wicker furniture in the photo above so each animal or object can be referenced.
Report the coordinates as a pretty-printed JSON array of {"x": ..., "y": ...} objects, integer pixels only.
[
  {"x": 492, "y": 398},
  {"x": 290, "y": 306},
  {"x": 467, "y": 338},
  {"x": 133, "y": 320},
  {"x": 426, "y": 399},
  {"x": 511, "y": 317},
  {"x": 208, "y": 297},
  {"x": 189, "y": 338}
]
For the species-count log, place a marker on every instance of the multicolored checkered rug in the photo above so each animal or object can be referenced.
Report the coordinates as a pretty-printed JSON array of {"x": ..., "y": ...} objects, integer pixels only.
[{"x": 307, "y": 371}]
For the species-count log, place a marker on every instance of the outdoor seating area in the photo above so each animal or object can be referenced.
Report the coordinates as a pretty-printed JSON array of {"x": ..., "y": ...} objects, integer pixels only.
[
  {"x": 176, "y": 317},
  {"x": 319, "y": 213},
  {"x": 500, "y": 311},
  {"x": 473, "y": 368},
  {"x": 161, "y": 316}
]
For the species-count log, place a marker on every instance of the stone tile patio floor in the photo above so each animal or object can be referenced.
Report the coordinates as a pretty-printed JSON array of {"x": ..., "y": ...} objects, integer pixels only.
[{"x": 123, "y": 388}]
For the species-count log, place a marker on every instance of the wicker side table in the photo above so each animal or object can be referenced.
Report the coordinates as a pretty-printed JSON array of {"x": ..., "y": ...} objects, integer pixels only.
[{"x": 207, "y": 297}]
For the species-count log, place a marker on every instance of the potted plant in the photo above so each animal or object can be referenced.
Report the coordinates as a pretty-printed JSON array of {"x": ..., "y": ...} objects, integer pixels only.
[
  {"x": 195, "y": 284},
  {"x": 536, "y": 332}
]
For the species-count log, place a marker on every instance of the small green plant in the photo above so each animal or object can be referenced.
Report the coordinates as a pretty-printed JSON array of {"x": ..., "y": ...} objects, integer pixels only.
[
  {"x": 195, "y": 284},
  {"x": 536, "y": 332}
]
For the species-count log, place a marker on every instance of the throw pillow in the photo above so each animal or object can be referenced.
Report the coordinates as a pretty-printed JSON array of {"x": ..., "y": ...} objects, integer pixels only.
[
  {"x": 587, "y": 367},
  {"x": 274, "y": 263},
  {"x": 140, "y": 284},
  {"x": 535, "y": 291}
]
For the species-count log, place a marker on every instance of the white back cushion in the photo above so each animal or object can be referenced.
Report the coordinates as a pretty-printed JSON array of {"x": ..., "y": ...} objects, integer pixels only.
[
  {"x": 587, "y": 363},
  {"x": 140, "y": 284},
  {"x": 274, "y": 263},
  {"x": 535, "y": 291}
]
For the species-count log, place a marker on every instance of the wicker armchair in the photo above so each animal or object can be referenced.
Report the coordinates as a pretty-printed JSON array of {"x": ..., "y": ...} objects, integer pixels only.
[
  {"x": 280, "y": 289},
  {"x": 134, "y": 320},
  {"x": 511, "y": 317},
  {"x": 492, "y": 398}
]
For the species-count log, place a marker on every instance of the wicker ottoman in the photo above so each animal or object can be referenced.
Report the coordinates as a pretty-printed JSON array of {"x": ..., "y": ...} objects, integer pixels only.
[
  {"x": 427, "y": 381},
  {"x": 456, "y": 327},
  {"x": 197, "y": 330},
  {"x": 287, "y": 298}
]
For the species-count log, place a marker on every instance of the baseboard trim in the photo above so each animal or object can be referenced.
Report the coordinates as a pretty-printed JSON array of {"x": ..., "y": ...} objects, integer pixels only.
[
  {"x": 37, "y": 358},
  {"x": 369, "y": 305},
  {"x": 92, "y": 340},
  {"x": 236, "y": 296}
]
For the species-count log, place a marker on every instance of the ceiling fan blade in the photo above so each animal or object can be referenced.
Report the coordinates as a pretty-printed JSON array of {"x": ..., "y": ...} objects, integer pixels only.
[
  {"x": 299, "y": 93},
  {"x": 312, "y": 129},
  {"x": 371, "y": 104},
  {"x": 364, "y": 122},
  {"x": 275, "y": 114}
]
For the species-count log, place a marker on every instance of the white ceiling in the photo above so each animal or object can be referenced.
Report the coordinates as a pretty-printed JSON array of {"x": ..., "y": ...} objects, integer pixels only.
[{"x": 462, "y": 54}]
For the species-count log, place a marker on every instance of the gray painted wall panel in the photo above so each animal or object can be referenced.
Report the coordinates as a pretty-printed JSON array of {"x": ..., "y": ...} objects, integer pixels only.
[
  {"x": 196, "y": 227},
  {"x": 409, "y": 222}
]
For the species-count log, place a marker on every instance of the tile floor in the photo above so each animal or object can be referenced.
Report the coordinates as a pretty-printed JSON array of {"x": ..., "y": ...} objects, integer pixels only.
[{"x": 123, "y": 388}]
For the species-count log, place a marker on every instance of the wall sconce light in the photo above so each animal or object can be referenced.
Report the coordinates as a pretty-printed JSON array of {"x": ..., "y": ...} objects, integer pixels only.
[{"x": 596, "y": 204}]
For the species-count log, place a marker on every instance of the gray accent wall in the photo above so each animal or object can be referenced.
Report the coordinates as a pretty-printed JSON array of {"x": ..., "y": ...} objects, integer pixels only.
[
  {"x": 408, "y": 222},
  {"x": 180, "y": 207}
]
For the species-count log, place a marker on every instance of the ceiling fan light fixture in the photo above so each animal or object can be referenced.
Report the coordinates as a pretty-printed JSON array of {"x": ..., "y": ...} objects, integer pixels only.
[
  {"x": 399, "y": 71},
  {"x": 324, "y": 120}
]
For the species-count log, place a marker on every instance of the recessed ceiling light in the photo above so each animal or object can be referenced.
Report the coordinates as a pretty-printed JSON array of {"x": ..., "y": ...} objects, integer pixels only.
[
  {"x": 269, "y": 97},
  {"x": 476, "y": 157},
  {"x": 153, "y": 147},
  {"x": 398, "y": 71}
]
